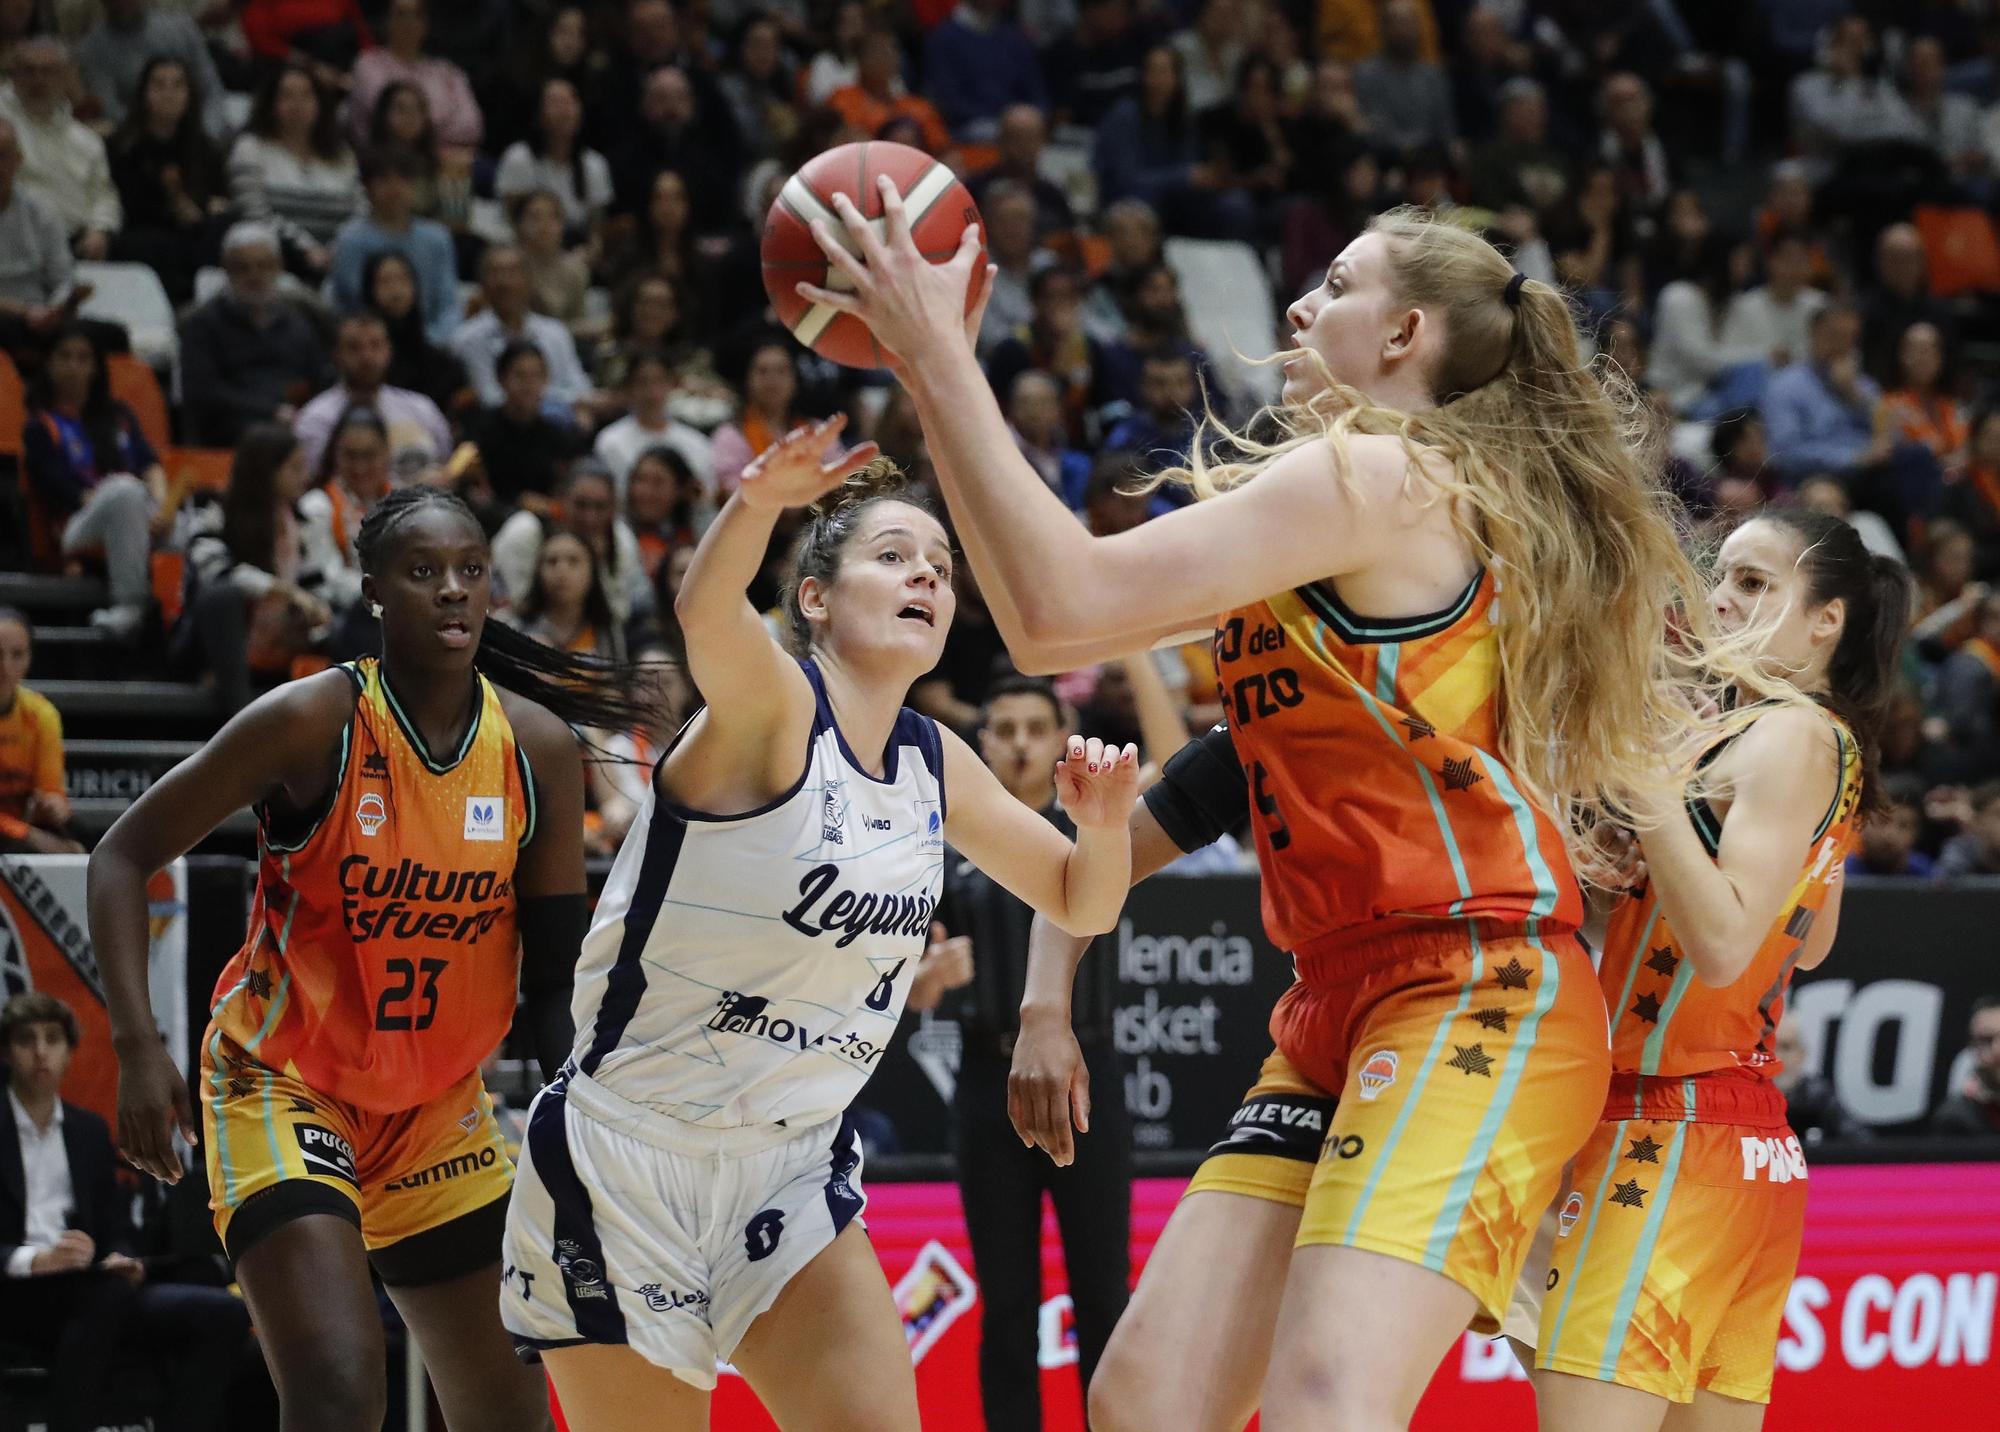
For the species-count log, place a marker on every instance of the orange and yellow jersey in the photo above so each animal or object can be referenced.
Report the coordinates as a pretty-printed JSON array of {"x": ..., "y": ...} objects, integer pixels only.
[
  {"x": 381, "y": 964},
  {"x": 1379, "y": 799},
  {"x": 1684, "y": 1049},
  {"x": 31, "y": 757}
]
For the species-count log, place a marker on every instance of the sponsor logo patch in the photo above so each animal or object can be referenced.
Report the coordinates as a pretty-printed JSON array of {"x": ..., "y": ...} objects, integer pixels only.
[
  {"x": 1377, "y": 1074},
  {"x": 326, "y": 1152},
  {"x": 485, "y": 817}
]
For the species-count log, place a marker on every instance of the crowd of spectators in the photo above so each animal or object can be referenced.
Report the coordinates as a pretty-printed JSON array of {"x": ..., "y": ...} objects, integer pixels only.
[{"x": 512, "y": 248}]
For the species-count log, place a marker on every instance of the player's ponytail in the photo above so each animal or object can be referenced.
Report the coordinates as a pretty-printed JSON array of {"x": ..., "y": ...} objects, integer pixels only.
[
  {"x": 582, "y": 690},
  {"x": 1878, "y": 595}
]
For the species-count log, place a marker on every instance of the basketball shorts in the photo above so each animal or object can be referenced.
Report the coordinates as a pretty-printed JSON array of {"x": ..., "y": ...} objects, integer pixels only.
[
  {"x": 1676, "y": 1249},
  {"x": 427, "y": 1186},
  {"x": 1447, "y": 1090},
  {"x": 663, "y": 1236}
]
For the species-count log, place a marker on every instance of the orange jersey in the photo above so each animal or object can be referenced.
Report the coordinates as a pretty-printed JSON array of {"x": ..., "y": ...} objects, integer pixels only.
[
  {"x": 31, "y": 752},
  {"x": 381, "y": 964},
  {"x": 1379, "y": 799},
  {"x": 1669, "y": 1026}
]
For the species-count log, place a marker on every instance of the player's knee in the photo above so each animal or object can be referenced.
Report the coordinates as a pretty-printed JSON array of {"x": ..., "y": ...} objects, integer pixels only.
[
  {"x": 1308, "y": 1393},
  {"x": 334, "y": 1395},
  {"x": 1125, "y": 1396}
]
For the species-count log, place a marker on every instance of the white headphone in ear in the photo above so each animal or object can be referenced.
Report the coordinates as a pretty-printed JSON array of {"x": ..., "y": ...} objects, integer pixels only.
[{"x": 375, "y": 610}]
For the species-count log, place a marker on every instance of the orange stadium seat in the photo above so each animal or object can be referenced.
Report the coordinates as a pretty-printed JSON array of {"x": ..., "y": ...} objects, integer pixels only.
[{"x": 134, "y": 384}]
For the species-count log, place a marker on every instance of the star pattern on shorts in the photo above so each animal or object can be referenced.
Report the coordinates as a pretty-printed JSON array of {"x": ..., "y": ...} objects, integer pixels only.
[
  {"x": 1493, "y": 1019},
  {"x": 1629, "y": 1194},
  {"x": 1471, "y": 1059},
  {"x": 1418, "y": 727},
  {"x": 1459, "y": 775},
  {"x": 259, "y": 982},
  {"x": 1647, "y": 1007},
  {"x": 1644, "y": 1150},
  {"x": 1663, "y": 961},
  {"x": 1512, "y": 975}
]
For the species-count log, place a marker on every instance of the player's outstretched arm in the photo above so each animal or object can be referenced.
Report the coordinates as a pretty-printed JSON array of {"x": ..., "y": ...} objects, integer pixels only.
[
  {"x": 1079, "y": 886},
  {"x": 1301, "y": 520},
  {"x": 1202, "y": 793},
  {"x": 286, "y": 744},
  {"x": 746, "y": 743}
]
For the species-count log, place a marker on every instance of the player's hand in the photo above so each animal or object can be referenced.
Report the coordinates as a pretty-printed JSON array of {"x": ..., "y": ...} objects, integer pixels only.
[
  {"x": 1048, "y": 1089},
  {"x": 910, "y": 304},
  {"x": 1096, "y": 783},
  {"x": 795, "y": 471},
  {"x": 152, "y": 1104},
  {"x": 67, "y": 1254}
]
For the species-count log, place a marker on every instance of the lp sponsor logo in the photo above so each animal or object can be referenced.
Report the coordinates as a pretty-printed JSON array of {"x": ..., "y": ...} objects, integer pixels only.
[
  {"x": 1779, "y": 1160},
  {"x": 485, "y": 818}
]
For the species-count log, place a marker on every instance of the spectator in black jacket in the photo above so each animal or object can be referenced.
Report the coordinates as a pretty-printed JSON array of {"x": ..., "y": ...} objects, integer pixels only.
[
  {"x": 1812, "y": 1107},
  {"x": 523, "y": 450},
  {"x": 76, "y": 1297},
  {"x": 1973, "y": 1110},
  {"x": 249, "y": 355}
]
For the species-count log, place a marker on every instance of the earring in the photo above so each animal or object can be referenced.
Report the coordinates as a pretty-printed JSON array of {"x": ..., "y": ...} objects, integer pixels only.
[{"x": 375, "y": 610}]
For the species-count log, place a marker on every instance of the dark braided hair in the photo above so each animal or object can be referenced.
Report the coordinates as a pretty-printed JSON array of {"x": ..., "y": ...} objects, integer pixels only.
[
  {"x": 1861, "y": 674},
  {"x": 830, "y": 525},
  {"x": 583, "y": 690}
]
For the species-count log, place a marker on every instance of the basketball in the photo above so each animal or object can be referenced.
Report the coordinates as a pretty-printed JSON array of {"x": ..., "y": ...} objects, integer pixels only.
[{"x": 939, "y": 209}]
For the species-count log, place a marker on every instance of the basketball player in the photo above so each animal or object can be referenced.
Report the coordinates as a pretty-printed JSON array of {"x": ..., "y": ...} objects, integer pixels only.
[
  {"x": 1678, "y": 1241},
  {"x": 689, "y": 1185},
  {"x": 1416, "y": 763},
  {"x": 419, "y": 843}
]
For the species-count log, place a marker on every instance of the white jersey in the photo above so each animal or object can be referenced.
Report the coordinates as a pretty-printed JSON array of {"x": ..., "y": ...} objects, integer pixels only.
[{"x": 749, "y": 970}]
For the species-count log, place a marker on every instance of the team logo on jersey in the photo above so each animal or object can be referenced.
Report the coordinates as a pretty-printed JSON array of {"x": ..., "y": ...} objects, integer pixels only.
[
  {"x": 667, "y": 1300},
  {"x": 325, "y": 1152},
  {"x": 1572, "y": 1210},
  {"x": 583, "y": 1276},
  {"x": 830, "y": 815},
  {"x": 485, "y": 817},
  {"x": 1378, "y": 1073},
  {"x": 371, "y": 814}
]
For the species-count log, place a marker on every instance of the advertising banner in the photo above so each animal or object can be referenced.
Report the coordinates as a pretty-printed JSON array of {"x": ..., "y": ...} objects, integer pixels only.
[
  {"x": 45, "y": 945},
  {"x": 1890, "y": 1323}
]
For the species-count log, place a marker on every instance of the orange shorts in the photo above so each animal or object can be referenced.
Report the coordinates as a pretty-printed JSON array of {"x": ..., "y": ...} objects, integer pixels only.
[
  {"x": 1469, "y": 1073},
  {"x": 427, "y": 1186},
  {"x": 1675, "y": 1255}
]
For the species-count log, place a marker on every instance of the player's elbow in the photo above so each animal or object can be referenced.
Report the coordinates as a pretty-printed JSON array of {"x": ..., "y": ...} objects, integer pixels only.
[{"x": 1719, "y": 962}]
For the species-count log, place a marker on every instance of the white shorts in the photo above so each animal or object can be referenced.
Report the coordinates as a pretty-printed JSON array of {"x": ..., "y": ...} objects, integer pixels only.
[{"x": 655, "y": 1236}]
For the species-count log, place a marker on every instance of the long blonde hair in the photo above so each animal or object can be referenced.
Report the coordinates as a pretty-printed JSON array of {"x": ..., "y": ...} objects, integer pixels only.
[{"x": 1603, "y": 623}]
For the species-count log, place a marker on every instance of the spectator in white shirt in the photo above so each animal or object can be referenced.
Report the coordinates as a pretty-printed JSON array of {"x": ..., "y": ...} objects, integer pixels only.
[
  {"x": 1847, "y": 101},
  {"x": 649, "y": 383},
  {"x": 1771, "y": 322},
  {"x": 557, "y": 160},
  {"x": 503, "y": 285},
  {"x": 63, "y": 162}
]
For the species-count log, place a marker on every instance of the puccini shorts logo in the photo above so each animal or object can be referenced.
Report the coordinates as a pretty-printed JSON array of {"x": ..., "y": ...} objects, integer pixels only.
[
  {"x": 370, "y": 813},
  {"x": 325, "y": 1152},
  {"x": 1378, "y": 1073},
  {"x": 485, "y": 817},
  {"x": 444, "y": 1169}
]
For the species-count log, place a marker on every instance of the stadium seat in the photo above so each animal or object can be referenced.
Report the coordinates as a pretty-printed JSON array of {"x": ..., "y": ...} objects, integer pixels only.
[
  {"x": 1230, "y": 312},
  {"x": 134, "y": 384},
  {"x": 13, "y": 408},
  {"x": 131, "y": 294}
]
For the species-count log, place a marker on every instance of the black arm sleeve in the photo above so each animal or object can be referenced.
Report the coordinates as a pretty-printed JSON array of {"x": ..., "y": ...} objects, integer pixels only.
[
  {"x": 552, "y": 929},
  {"x": 1202, "y": 793}
]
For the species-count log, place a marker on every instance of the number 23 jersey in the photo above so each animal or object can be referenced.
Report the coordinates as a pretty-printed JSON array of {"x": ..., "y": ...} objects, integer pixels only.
[{"x": 382, "y": 963}]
